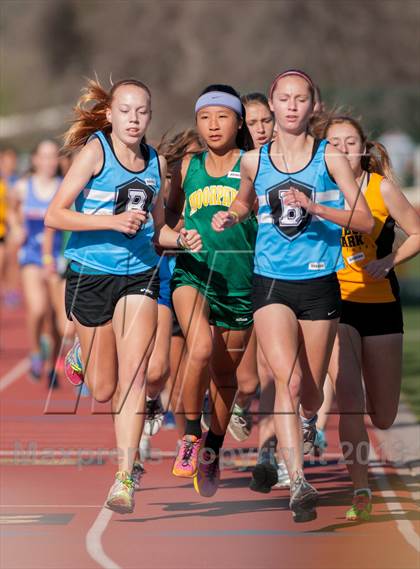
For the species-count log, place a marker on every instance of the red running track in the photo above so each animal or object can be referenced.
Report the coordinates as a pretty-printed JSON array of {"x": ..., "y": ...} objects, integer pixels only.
[{"x": 51, "y": 512}]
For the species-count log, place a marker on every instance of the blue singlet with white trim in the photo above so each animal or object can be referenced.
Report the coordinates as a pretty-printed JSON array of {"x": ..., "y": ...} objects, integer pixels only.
[
  {"x": 292, "y": 244},
  {"x": 115, "y": 190}
]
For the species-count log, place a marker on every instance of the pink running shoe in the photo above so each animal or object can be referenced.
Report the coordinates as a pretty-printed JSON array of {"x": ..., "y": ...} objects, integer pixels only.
[
  {"x": 186, "y": 462},
  {"x": 73, "y": 369}
]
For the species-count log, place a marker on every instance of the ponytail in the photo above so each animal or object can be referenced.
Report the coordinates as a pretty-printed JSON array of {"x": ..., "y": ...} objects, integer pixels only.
[
  {"x": 175, "y": 148},
  {"x": 376, "y": 160},
  {"x": 90, "y": 112}
]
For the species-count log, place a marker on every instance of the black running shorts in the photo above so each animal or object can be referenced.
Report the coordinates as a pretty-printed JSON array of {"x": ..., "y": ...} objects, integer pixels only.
[
  {"x": 373, "y": 319},
  {"x": 310, "y": 299},
  {"x": 92, "y": 298}
]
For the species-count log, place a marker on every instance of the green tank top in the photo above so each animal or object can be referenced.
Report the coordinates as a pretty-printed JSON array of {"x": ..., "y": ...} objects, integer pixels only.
[{"x": 226, "y": 261}]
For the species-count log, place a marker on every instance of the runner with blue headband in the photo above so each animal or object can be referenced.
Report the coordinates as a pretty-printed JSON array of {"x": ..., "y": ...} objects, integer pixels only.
[
  {"x": 212, "y": 290},
  {"x": 219, "y": 99}
]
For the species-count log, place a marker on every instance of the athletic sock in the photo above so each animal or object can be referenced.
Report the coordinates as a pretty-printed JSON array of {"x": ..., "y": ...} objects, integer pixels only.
[
  {"x": 214, "y": 442},
  {"x": 151, "y": 398},
  {"x": 193, "y": 427},
  {"x": 309, "y": 422},
  {"x": 367, "y": 491},
  {"x": 241, "y": 408}
]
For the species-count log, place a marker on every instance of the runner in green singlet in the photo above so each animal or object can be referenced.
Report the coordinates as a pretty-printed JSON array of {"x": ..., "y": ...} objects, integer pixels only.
[{"x": 212, "y": 289}]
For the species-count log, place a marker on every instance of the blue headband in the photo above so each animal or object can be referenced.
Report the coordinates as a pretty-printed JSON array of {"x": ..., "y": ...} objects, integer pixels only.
[{"x": 219, "y": 99}]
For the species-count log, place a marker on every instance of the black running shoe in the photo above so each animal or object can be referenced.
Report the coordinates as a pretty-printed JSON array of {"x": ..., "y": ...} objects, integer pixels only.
[{"x": 264, "y": 477}]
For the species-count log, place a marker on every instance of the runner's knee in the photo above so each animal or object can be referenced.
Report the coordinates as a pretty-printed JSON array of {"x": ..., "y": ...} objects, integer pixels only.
[
  {"x": 199, "y": 355},
  {"x": 382, "y": 422},
  {"x": 102, "y": 393},
  {"x": 247, "y": 383},
  {"x": 157, "y": 371}
]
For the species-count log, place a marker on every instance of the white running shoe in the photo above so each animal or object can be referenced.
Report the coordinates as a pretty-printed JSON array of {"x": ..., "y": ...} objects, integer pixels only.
[
  {"x": 303, "y": 499},
  {"x": 121, "y": 496},
  {"x": 240, "y": 424}
]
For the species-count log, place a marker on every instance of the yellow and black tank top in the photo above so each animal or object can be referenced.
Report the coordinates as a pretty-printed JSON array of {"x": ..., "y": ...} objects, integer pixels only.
[
  {"x": 360, "y": 248},
  {"x": 3, "y": 201}
]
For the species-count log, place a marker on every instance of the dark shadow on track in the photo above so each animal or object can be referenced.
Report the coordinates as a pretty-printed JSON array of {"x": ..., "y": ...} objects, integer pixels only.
[{"x": 213, "y": 509}]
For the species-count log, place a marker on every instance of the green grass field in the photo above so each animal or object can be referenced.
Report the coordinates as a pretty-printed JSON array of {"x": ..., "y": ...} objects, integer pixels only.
[{"x": 411, "y": 362}]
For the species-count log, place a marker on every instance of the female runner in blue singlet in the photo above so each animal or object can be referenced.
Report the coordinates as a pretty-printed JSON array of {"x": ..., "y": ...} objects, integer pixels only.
[
  {"x": 33, "y": 195},
  {"x": 112, "y": 282},
  {"x": 301, "y": 184}
]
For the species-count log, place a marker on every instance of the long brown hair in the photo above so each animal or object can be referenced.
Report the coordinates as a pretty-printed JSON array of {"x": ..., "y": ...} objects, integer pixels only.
[
  {"x": 375, "y": 158},
  {"x": 174, "y": 149},
  {"x": 90, "y": 112}
]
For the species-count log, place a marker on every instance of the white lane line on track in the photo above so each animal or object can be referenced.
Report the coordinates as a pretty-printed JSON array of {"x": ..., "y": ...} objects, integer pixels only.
[
  {"x": 405, "y": 527},
  {"x": 94, "y": 540},
  {"x": 14, "y": 374},
  {"x": 94, "y": 535}
]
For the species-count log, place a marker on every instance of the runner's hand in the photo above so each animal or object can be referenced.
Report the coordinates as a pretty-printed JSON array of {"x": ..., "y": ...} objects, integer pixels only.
[
  {"x": 296, "y": 198},
  {"x": 222, "y": 220},
  {"x": 129, "y": 222},
  {"x": 191, "y": 240},
  {"x": 380, "y": 268}
]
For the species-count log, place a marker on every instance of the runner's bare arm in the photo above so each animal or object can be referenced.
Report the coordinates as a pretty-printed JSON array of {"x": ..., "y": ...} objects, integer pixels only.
[
  {"x": 408, "y": 220},
  {"x": 165, "y": 236},
  {"x": 59, "y": 215},
  {"x": 245, "y": 199},
  {"x": 176, "y": 198}
]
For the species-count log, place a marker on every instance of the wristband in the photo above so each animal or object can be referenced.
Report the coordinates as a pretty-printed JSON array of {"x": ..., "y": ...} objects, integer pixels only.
[
  {"x": 235, "y": 215},
  {"x": 179, "y": 242},
  {"x": 47, "y": 259}
]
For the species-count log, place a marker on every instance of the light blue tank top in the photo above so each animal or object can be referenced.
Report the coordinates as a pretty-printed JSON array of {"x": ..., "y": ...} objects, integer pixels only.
[
  {"x": 34, "y": 209},
  {"x": 33, "y": 206},
  {"x": 291, "y": 244},
  {"x": 113, "y": 190}
]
